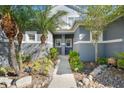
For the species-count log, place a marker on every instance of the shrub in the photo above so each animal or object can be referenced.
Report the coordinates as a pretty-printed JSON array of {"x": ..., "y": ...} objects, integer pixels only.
[
  {"x": 53, "y": 55},
  {"x": 25, "y": 58},
  {"x": 120, "y": 63},
  {"x": 42, "y": 66},
  {"x": 120, "y": 60},
  {"x": 36, "y": 65},
  {"x": 75, "y": 62},
  {"x": 5, "y": 70},
  {"x": 102, "y": 61}
]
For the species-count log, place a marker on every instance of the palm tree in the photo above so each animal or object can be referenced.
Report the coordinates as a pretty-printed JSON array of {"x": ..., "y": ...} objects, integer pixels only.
[
  {"x": 45, "y": 21},
  {"x": 9, "y": 26},
  {"x": 22, "y": 16},
  {"x": 15, "y": 20}
]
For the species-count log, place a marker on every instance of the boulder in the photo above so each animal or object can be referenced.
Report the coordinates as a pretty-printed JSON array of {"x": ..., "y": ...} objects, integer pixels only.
[
  {"x": 13, "y": 86},
  {"x": 98, "y": 70},
  {"x": 24, "y": 81},
  {"x": 90, "y": 77},
  {"x": 86, "y": 81},
  {"x": 6, "y": 81}
]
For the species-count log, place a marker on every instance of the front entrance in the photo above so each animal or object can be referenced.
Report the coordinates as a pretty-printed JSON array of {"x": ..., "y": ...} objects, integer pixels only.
[
  {"x": 68, "y": 46},
  {"x": 64, "y": 43}
]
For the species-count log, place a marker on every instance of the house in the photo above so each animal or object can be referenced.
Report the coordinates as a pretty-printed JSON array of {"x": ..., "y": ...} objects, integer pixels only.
[{"x": 72, "y": 36}]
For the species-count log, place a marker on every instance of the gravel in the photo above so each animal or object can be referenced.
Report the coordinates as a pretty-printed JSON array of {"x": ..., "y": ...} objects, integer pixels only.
[{"x": 104, "y": 77}]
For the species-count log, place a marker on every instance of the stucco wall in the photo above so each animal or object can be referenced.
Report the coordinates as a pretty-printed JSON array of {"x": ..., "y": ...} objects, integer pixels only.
[
  {"x": 32, "y": 48},
  {"x": 114, "y": 30},
  {"x": 81, "y": 31}
]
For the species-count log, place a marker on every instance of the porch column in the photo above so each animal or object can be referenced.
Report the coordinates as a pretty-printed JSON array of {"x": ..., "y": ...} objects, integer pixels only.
[{"x": 63, "y": 44}]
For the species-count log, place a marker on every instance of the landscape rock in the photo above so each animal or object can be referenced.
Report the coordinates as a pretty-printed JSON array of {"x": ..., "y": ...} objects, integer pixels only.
[
  {"x": 6, "y": 81},
  {"x": 86, "y": 81},
  {"x": 90, "y": 77},
  {"x": 13, "y": 86},
  {"x": 2, "y": 85},
  {"x": 24, "y": 81},
  {"x": 98, "y": 70}
]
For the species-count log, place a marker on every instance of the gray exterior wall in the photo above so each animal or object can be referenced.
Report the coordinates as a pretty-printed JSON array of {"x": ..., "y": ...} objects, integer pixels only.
[
  {"x": 114, "y": 30},
  {"x": 87, "y": 51},
  {"x": 33, "y": 49},
  {"x": 84, "y": 32},
  {"x": 112, "y": 49}
]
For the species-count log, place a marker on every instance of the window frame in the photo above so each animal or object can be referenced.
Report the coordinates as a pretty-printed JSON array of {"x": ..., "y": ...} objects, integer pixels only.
[
  {"x": 56, "y": 42},
  {"x": 69, "y": 42}
]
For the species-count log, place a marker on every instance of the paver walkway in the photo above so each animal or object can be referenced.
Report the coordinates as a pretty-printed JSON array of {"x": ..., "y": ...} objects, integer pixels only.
[{"x": 63, "y": 76}]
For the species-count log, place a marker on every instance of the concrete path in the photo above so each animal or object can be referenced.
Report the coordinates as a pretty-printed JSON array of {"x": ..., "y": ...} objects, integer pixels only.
[{"x": 63, "y": 76}]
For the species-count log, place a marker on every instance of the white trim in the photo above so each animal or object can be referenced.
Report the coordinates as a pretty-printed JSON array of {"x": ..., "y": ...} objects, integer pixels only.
[
  {"x": 59, "y": 41},
  {"x": 27, "y": 36},
  {"x": 63, "y": 44},
  {"x": 80, "y": 42},
  {"x": 51, "y": 43},
  {"x": 113, "y": 41},
  {"x": 107, "y": 41},
  {"x": 69, "y": 42}
]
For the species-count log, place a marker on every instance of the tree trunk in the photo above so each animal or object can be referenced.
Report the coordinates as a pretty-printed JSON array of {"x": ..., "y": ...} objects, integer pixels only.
[
  {"x": 43, "y": 39},
  {"x": 19, "y": 37},
  {"x": 20, "y": 59},
  {"x": 13, "y": 56},
  {"x": 96, "y": 51}
]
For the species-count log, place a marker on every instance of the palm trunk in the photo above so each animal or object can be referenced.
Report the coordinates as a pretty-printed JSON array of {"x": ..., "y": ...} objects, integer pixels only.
[
  {"x": 96, "y": 51},
  {"x": 19, "y": 37},
  {"x": 13, "y": 56},
  {"x": 20, "y": 59}
]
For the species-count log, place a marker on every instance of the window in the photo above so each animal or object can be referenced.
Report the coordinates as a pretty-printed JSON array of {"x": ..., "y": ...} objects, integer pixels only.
[
  {"x": 31, "y": 37},
  {"x": 58, "y": 42},
  {"x": 68, "y": 42}
]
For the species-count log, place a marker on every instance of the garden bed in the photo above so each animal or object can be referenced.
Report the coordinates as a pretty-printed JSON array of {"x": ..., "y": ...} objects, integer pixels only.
[{"x": 99, "y": 76}]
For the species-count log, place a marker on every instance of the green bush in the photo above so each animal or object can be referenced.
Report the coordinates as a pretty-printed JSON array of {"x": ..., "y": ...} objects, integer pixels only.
[
  {"x": 36, "y": 65},
  {"x": 5, "y": 70},
  {"x": 120, "y": 63},
  {"x": 53, "y": 55},
  {"x": 102, "y": 61},
  {"x": 75, "y": 62},
  {"x": 120, "y": 60},
  {"x": 42, "y": 66},
  {"x": 24, "y": 58}
]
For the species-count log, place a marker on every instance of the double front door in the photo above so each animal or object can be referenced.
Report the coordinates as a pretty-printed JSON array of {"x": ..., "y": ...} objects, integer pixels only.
[{"x": 64, "y": 47}]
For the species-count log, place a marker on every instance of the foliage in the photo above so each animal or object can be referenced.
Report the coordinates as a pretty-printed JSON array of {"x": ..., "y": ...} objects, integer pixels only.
[
  {"x": 45, "y": 21},
  {"x": 97, "y": 18},
  {"x": 120, "y": 60},
  {"x": 42, "y": 66},
  {"x": 102, "y": 61},
  {"x": 53, "y": 55},
  {"x": 120, "y": 63},
  {"x": 75, "y": 62},
  {"x": 36, "y": 65},
  {"x": 5, "y": 70},
  {"x": 25, "y": 58}
]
